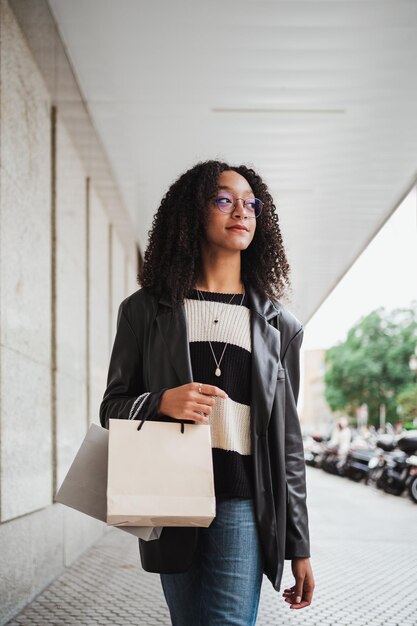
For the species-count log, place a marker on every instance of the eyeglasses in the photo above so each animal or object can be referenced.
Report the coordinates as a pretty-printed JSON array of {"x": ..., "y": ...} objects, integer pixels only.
[{"x": 226, "y": 202}]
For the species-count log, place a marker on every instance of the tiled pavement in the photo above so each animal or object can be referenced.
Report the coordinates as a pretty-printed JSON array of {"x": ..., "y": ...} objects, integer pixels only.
[{"x": 364, "y": 559}]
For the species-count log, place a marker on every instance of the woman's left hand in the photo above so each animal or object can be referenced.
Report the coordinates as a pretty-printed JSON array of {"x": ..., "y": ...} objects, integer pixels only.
[{"x": 300, "y": 594}]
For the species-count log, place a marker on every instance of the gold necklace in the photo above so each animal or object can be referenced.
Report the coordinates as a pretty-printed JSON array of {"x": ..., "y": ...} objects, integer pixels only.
[{"x": 218, "y": 371}]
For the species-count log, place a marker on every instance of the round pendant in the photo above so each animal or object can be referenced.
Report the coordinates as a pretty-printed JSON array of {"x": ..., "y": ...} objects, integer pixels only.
[{"x": 218, "y": 371}]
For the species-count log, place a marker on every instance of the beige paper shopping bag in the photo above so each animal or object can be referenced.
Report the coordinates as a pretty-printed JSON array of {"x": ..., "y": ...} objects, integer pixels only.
[{"x": 159, "y": 475}]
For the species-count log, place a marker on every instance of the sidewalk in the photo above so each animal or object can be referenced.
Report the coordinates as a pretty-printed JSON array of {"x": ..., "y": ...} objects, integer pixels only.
[{"x": 364, "y": 558}]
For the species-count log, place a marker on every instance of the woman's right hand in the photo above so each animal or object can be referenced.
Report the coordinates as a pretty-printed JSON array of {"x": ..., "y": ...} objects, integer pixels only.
[{"x": 186, "y": 402}]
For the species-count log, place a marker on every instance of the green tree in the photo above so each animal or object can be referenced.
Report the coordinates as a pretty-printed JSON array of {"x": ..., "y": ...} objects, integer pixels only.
[
  {"x": 407, "y": 402},
  {"x": 372, "y": 365}
]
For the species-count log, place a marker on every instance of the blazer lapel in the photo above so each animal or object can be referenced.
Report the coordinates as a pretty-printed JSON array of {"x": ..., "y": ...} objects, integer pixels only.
[
  {"x": 266, "y": 347},
  {"x": 172, "y": 325}
]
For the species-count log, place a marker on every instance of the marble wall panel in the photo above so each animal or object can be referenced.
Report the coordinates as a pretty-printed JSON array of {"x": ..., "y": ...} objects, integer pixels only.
[
  {"x": 26, "y": 440},
  {"x": 32, "y": 549},
  {"x": 25, "y": 197},
  {"x": 25, "y": 277},
  {"x": 71, "y": 302},
  {"x": 131, "y": 271},
  {"x": 99, "y": 304},
  {"x": 80, "y": 531},
  {"x": 118, "y": 279}
]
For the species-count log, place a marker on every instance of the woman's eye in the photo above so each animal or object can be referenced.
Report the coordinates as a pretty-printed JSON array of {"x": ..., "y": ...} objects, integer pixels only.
[{"x": 223, "y": 200}]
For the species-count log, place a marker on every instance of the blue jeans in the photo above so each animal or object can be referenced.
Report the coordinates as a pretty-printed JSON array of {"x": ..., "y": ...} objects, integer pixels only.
[{"x": 223, "y": 585}]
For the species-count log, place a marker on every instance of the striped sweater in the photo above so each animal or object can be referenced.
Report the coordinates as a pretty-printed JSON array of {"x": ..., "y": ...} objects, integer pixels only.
[{"x": 230, "y": 417}]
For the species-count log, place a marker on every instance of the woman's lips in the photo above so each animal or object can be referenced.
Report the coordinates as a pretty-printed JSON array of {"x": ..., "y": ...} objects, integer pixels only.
[{"x": 238, "y": 229}]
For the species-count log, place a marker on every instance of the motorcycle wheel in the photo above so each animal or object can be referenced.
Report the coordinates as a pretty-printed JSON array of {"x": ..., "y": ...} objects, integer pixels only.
[
  {"x": 412, "y": 489},
  {"x": 356, "y": 476},
  {"x": 393, "y": 489}
]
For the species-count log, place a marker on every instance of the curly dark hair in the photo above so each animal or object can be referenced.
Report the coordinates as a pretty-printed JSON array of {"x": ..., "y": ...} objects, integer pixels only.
[{"x": 172, "y": 261}]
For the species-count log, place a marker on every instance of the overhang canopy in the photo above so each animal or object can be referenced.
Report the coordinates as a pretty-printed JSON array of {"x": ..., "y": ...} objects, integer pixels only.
[{"x": 319, "y": 97}]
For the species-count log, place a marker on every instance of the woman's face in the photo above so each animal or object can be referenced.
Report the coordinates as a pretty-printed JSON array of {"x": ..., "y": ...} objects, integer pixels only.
[{"x": 219, "y": 230}]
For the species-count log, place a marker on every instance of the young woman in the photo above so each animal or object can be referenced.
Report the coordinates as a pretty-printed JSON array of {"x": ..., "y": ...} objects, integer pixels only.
[{"x": 207, "y": 339}]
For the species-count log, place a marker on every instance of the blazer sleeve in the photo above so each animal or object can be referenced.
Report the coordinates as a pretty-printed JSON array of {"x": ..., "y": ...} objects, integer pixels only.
[
  {"x": 125, "y": 396},
  {"x": 297, "y": 531}
]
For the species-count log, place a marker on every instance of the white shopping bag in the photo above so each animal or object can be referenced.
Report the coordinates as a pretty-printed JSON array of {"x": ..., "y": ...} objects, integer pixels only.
[
  {"x": 85, "y": 485},
  {"x": 160, "y": 475}
]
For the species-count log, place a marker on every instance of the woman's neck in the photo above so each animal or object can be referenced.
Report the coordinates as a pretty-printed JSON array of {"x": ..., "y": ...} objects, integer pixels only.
[{"x": 221, "y": 274}]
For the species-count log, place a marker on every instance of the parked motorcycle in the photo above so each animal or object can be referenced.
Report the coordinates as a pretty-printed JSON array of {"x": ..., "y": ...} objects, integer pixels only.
[
  {"x": 412, "y": 477},
  {"x": 385, "y": 445},
  {"x": 313, "y": 450},
  {"x": 356, "y": 466},
  {"x": 331, "y": 462},
  {"x": 395, "y": 477}
]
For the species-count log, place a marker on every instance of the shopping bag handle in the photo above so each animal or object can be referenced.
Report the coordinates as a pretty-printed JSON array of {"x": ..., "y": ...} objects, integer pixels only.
[{"x": 143, "y": 421}]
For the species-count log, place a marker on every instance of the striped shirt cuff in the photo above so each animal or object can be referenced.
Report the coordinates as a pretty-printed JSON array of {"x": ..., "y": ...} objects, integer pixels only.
[{"x": 137, "y": 405}]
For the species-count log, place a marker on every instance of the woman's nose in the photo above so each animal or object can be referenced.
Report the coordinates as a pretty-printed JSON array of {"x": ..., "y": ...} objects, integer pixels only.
[{"x": 238, "y": 208}]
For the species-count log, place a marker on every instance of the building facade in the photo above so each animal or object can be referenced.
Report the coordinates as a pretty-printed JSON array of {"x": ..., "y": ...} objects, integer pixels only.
[{"x": 67, "y": 259}]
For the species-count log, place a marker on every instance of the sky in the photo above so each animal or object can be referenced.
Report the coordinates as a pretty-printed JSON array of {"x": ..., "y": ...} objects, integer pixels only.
[{"x": 385, "y": 274}]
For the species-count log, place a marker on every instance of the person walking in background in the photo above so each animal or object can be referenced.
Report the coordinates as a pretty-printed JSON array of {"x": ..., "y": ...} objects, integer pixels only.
[
  {"x": 207, "y": 339},
  {"x": 340, "y": 439}
]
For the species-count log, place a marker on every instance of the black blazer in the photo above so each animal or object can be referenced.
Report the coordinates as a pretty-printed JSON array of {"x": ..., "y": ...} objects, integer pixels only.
[{"x": 151, "y": 353}]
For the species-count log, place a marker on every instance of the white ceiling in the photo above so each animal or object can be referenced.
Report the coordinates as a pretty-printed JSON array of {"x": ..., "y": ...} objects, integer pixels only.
[{"x": 319, "y": 97}]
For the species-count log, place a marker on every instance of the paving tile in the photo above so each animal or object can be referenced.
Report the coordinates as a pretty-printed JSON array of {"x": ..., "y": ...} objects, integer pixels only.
[{"x": 362, "y": 557}]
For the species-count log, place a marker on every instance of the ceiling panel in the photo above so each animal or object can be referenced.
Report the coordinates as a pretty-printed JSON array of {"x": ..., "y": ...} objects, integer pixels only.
[{"x": 319, "y": 97}]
